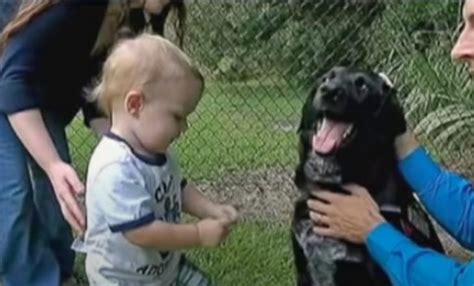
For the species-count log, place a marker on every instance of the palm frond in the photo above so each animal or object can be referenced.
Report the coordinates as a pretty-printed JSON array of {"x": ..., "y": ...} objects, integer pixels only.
[
  {"x": 457, "y": 135},
  {"x": 443, "y": 118}
]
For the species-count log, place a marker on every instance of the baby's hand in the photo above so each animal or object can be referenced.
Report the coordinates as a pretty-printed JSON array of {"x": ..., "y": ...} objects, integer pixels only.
[
  {"x": 227, "y": 213},
  {"x": 212, "y": 232}
]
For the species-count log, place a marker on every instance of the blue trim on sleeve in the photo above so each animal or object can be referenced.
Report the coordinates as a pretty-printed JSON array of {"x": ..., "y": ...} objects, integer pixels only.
[
  {"x": 132, "y": 224},
  {"x": 419, "y": 169}
]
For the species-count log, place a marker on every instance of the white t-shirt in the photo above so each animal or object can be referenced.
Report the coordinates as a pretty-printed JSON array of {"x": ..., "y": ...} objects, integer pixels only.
[{"x": 126, "y": 190}]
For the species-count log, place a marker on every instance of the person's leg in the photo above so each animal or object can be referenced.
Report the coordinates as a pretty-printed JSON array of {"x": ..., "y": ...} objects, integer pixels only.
[
  {"x": 58, "y": 232},
  {"x": 190, "y": 275},
  {"x": 25, "y": 258}
]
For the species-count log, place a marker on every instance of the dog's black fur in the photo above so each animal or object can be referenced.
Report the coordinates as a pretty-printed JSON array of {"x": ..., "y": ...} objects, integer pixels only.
[{"x": 368, "y": 158}]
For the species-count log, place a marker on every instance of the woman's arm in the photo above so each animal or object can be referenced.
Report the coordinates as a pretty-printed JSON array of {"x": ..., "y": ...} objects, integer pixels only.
[
  {"x": 448, "y": 197},
  {"x": 30, "y": 128},
  {"x": 22, "y": 64}
]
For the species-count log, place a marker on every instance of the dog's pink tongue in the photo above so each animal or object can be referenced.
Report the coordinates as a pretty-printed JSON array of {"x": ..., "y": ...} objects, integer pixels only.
[{"x": 329, "y": 136}]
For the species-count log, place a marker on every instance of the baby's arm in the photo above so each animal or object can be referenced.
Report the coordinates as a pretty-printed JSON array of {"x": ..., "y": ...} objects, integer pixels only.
[
  {"x": 167, "y": 236},
  {"x": 119, "y": 194},
  {"x": 196, "y": 204}
]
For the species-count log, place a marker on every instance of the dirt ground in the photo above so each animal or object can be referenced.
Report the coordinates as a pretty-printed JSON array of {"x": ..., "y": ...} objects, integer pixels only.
[{"x": 267, "y": 195}]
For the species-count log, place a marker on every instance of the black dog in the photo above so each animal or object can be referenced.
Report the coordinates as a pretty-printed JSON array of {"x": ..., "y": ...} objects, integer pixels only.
[{"x": 346, "y": 135}]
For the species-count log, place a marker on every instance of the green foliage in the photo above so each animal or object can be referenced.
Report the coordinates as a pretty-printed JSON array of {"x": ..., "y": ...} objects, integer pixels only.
[{"x": 297, "y": 40}]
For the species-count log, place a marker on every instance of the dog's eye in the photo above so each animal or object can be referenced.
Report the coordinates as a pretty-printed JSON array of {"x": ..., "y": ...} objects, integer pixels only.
[
  {"x": 359, "y": 82},
  {"x": 361, "y": 85}
]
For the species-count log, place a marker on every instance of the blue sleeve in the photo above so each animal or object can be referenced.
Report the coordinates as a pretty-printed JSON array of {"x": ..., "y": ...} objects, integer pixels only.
[
  {"x": 22, "y": 58},
  {"x": 448, "y": 197},
  {"x": 25, "y": 55},
  {"x": 407, "y": 264}
]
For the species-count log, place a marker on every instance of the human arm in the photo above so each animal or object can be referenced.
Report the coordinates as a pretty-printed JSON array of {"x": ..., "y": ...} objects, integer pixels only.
[
  {"x": 408, "y": 264},
  {"x": 120, "y": 192},
  {"x": 168, "y": 236},
  {"x": 448, "y": 197},
  {"x": 356, "y": 219},
  {"x": 30, "y": 128},
  {"x": 22, "y": 71},
  {"x": 196, "y": 204}
]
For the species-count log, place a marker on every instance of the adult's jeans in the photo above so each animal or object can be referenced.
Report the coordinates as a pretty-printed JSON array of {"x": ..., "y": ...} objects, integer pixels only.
[{"x": 35, "y": 239}]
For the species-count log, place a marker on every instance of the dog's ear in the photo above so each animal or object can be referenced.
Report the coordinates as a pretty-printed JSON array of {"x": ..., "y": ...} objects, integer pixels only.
[
  {"x": 387, "y": 80},
  {"x": 307, "y": 111},
  {"x": 391, "y": 111}
]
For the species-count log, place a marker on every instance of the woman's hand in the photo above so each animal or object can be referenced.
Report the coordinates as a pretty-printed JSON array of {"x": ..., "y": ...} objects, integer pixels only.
[
  {"x": 350, "y": 217},
  {"x": 67, "y": 186},
  {"x": 30, "y": 128}
]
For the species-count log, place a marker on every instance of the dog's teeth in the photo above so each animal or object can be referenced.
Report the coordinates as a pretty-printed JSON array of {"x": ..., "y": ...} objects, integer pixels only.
[{"x": 347, "y": 132}]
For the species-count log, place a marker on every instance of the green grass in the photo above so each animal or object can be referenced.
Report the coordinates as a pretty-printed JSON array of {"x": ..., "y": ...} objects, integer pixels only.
[
  {"x": 236, "y": 127},
  {"x": 255, "y": 254},
  {"x": 240, "y": 127}
]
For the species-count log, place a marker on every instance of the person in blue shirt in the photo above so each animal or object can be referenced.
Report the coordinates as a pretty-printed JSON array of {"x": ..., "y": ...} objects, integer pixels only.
[
  {"x": 50, "y": 53},
  {"x": 448, "y": 197}
]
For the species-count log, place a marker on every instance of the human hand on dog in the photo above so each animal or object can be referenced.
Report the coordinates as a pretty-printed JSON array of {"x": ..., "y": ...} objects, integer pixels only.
[
  {"x": 350, "y": 217},
  {"x": 212, "y": 232}
]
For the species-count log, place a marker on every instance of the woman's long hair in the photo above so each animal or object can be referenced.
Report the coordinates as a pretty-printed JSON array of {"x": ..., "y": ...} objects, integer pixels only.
[
  {"x": 27, "y": 11},
  {"x": 30, "y": 9}
]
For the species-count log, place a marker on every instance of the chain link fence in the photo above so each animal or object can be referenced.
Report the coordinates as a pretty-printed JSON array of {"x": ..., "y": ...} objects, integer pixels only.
[{"x": 259, "y": 58}]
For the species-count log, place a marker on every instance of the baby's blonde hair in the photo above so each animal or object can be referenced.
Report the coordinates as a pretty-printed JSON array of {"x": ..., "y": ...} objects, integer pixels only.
[{"x": 138, "y": 62}]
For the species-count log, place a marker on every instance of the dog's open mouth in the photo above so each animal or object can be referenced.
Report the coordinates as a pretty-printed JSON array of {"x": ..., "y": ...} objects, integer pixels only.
[{"x": 331, "y": 135}]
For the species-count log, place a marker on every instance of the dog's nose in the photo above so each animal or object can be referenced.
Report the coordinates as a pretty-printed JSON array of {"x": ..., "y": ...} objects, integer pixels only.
[{"x": 331, "y": 93}]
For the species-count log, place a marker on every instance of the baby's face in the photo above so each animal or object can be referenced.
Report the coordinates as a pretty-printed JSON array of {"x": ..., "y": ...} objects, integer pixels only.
[{"x": 164, "y": 116}]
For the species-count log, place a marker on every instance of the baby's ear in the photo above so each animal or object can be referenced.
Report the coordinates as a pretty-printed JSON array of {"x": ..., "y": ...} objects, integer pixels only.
[{"x": 134, "y": 102}]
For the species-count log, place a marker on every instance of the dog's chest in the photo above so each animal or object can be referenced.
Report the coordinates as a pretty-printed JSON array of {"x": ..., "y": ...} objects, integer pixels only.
[{"x": 322, "y": 253}]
